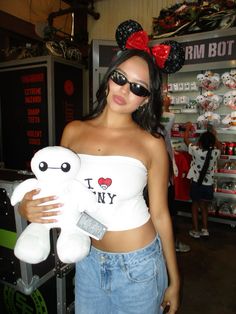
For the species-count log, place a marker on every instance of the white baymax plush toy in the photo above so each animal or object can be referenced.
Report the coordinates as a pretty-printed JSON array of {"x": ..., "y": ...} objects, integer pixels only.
[{"x": 56, "y": 169}]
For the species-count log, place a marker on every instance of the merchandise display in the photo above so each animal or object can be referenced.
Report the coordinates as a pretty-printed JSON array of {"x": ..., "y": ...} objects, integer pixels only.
[
  {"x": 205, "y": 103},
  {"x": 228, "y": 167},
  {"x": 226, "y": 208},
  {"x": 225, "y": 183},
  {"x": 206, "y": 96},
  {"x": 214, "y": 108},
  {"x": 188, "y": 17},
  {"x": 226, "y": 186},
  {"x": 228, "y": 148}
]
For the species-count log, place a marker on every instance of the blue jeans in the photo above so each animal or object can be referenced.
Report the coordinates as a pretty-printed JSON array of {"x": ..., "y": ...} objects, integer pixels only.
[{"x": 121, "y": 283}]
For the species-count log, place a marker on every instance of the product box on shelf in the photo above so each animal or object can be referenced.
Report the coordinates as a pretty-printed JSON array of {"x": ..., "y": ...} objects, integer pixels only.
[
  {"x": 226, "y": 185},
  {"x": 228, "y": 149},
  {"x": 227, "y": 166},
  {"x": 222, "y": 208},
  {"x": 226, "y": 207},
  {"x": 178, "y": 130}
]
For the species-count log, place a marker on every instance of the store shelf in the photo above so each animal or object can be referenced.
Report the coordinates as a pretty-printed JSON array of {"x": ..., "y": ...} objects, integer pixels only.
[
  {"x": 225, "y": 195},
  {"x": 224, "y": 175},
  {"x": 181, "y": 101},
  {"x": 222, "y": 215},
  {"x": 189, "y": 111},
  {"x": 215, "y": 217},
  {"x": 228, "y": 157},
  {"x": 220, "y": 131},
  {"x": 226, "y": 131},
  {"x": 181, "y": 108}
]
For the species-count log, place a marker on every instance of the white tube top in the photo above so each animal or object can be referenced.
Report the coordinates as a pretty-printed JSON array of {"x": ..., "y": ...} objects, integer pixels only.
[{"x": 118, "y": 183}]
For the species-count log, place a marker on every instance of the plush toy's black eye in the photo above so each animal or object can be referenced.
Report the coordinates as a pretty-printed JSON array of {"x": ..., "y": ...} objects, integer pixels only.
[
  {"x": 65, "y": 167},
  {"x": 43, "y": 166}
]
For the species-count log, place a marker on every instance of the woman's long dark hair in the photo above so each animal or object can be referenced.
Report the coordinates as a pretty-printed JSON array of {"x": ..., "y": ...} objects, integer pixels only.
[
  {"x": 207, "y": 142},
  {"x": 148, "y": 117}
]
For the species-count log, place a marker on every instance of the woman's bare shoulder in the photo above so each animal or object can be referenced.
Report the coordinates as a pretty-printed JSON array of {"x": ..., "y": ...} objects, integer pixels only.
[
  {"x": 71, "y": 131},
  {"x": 75, "y": 126},
  {"x": 71, "y": 126},
  {"x": 153, "y": 148},
  {"x": 154, "y": 143}
]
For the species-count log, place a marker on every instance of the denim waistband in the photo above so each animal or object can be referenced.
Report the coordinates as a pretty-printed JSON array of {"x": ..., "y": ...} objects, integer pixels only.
[{"x": 127, "y": 257}]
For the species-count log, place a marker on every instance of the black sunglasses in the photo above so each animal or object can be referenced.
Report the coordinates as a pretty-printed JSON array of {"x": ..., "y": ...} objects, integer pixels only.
[{"x": 135, "y": 88}]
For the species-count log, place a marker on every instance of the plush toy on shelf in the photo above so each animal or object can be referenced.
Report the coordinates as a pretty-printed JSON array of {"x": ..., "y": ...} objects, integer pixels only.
[
  {"x": 230, "y": 120},
  {"x": 208, "y": 118},
  {"x": 208, "y": 101},
  {"x": 56, "y": 170},
  {"x": 229, "y": 79},
  {"x": 209, "y": 80},
  {"x": 229, "y": 99}
]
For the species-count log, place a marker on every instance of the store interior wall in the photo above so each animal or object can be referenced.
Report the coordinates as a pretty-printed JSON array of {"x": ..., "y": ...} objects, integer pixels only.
[
  {"x": 112, "y": 13},
  {"x": 37, "y": 11}
]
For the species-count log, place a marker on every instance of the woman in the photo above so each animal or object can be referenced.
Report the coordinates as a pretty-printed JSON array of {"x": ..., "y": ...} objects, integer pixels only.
[
  {"x": 201, "y": 173},
  {"x": 120, "y": 153}
]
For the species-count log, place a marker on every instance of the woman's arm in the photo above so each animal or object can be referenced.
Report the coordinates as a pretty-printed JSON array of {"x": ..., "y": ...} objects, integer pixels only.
[
  {"x": 218, "y": 144},
  {"x": 158, "y": 189},
  {"x": 188, "y": 127}
]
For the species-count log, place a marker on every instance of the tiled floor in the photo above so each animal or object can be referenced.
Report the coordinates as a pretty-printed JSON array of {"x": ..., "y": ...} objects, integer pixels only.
[{"x": 208, "y": 271}]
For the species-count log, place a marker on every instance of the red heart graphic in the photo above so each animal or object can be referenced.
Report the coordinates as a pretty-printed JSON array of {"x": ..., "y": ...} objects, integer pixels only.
[{"x": 104, "y": 183}]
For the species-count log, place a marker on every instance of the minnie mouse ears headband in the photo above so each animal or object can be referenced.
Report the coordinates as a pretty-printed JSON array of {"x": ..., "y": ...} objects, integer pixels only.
[{"x": 169, "y": 55}]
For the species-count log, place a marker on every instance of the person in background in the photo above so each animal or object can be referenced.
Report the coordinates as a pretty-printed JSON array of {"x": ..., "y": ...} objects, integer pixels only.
[
  {"x": 125, "y": 271},
  {"x": 167, "y": 120},
  {"x": 201, "y": 173}
]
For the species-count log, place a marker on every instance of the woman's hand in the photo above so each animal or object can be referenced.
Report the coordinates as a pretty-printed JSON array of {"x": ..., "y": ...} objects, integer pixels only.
[
  {"x": 33, "y": 210},
  {"x": 170, "y": 302}
]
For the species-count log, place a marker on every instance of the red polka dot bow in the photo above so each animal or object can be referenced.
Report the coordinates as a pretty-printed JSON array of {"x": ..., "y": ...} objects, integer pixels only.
[{"x": 139, "y": 40}]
